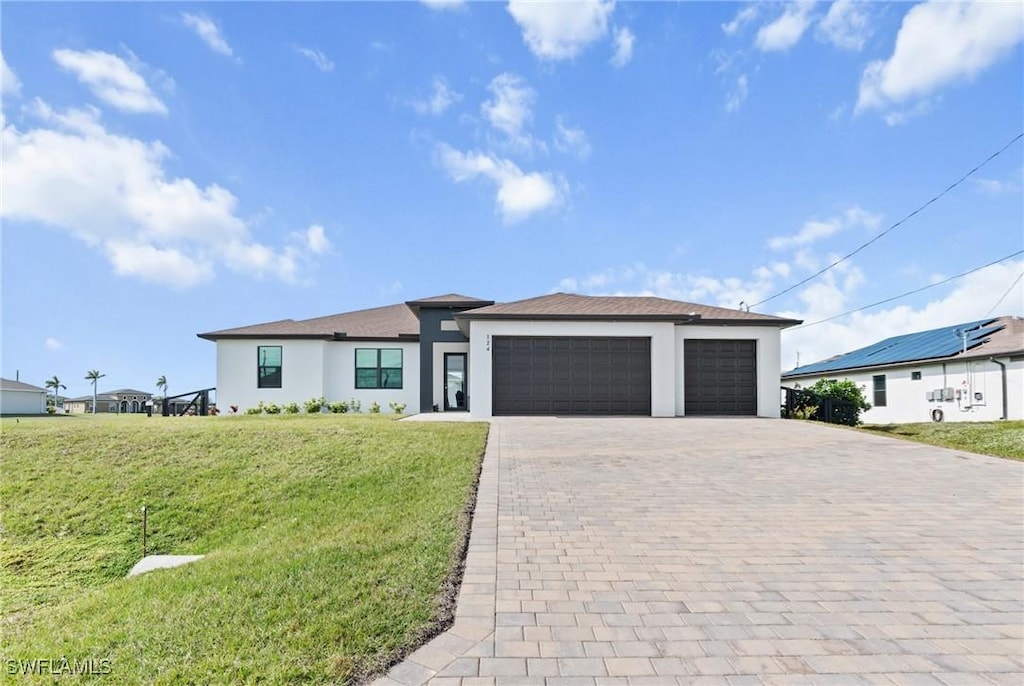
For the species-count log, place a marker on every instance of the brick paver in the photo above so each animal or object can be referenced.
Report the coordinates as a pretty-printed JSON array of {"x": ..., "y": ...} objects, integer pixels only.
[{"x": 733, "y": 551}]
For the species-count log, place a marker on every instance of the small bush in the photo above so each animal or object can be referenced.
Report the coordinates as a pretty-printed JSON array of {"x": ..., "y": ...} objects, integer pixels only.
[
  {"x": 254, "y": 410},
  {"x": 847, "y": 400},
  {"x": 272, "y": 408},
  {"x": 291, "y": 408},
  {"x": 375, "y": 408},
  {"x": 397, "y": 408},
  {"x": 340, "y": 407},
  {"x": 804, "y": 412},
  {"x": 313, "y": 405},
  {"x": 354, "y": 405}
]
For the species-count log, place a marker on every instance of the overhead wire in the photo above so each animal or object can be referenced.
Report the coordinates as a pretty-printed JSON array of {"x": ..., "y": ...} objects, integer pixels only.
[
  {"x": 850, "y": 254},
  {"x": 1003, "y": 296},
  {"x": 903, "y": 295}
]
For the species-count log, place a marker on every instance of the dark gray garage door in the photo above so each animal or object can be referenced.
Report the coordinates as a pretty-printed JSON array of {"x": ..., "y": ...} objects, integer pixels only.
[
  {"x": 720, "y": 377},
  {"x": 545, "y": 375}
]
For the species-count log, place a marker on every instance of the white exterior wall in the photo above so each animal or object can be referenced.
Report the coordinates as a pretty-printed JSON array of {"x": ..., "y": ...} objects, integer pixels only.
[
  {"x": 769, "y": 364},
  {"x": 22, "y": 402},
  {"x": 663, "y": 367},
  {"x": 302, "y": 373},
  {"x": 340, "y": 375},
  {"x": 310, "y": 369},
  {"x": 906, "y": 401}
]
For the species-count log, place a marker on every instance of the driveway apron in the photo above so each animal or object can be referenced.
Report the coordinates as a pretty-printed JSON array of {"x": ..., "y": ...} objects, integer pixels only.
[{"x": 733, "y": 551}]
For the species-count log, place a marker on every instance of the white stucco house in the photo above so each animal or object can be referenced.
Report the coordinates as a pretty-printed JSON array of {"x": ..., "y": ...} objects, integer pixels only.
[
  {"x": 969, "y": 372},
  {"x": 559, "y": 354},
  {"x": 18, "y": 397}
]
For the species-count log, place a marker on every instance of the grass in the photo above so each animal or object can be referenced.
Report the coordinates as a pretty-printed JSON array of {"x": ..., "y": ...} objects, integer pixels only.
[
  {"x": 329, "y": 542},
  {"x": 1001, "y": 439}
]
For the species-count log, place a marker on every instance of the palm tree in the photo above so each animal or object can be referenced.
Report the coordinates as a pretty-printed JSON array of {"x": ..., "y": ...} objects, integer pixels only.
[
  {"x": 94, "y": 376},
  {"x": 161, "y": 384},
  {"x": 56, "y": 385}
]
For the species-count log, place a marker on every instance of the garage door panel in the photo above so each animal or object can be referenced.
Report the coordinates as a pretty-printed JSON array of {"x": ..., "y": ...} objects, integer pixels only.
[
  {"x": 571, "y": 375},
  {"x": 720, "y": 377}
]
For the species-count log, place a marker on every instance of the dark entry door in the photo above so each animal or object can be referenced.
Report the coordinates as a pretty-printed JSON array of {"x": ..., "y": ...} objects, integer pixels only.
[
  {"x": 455, "y": 378},
  {"x": 561, "y": 375},
  {"x": 720, "y": 377}
]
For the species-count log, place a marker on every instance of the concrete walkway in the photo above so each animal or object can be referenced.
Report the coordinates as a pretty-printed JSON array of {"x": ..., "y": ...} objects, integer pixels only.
[{"x": 733, "y": 551}]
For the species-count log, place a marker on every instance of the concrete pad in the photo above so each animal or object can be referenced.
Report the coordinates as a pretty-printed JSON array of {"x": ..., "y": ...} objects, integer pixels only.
[
  {"x": 151, "y": 562},
  {"x": 442, "y": 417}
]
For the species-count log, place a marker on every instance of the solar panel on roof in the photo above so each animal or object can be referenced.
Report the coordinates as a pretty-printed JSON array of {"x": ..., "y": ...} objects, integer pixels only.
[{"x": 924, "y": 345}]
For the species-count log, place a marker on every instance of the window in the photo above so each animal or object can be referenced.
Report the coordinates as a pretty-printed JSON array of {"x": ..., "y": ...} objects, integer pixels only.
[
  {"x": 879, "y": 384},
  {"x": 268, "y": 366},
  {"x": 378, "y": 368},
  {"x": 915, "y": 376}
]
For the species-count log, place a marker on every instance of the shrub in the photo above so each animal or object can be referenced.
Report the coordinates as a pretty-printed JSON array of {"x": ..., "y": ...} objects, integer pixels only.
[
  {"x": 354, "y": 405},
  {"x": 272, "y": 408},
  {"x": 254, "y": 410},
  {"x": 847, "y": 400},
  {"x": 313, "y": 405},
  {"x": 291, "y": 408},
  {"x": 340, "y": 407},
  {"x": 397, "y": 408},
  {"x": 374, "y": 408},
  {"x": 804, "y": 412}
]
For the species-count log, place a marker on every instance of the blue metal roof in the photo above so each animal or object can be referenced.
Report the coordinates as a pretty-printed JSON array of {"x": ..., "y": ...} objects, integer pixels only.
[{"x": 924, "y": 345}]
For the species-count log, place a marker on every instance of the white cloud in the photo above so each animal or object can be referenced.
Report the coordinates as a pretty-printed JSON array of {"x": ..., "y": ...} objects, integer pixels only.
[
  {"x": 814, "y": 230},
  {"x": 440, "y": 100},
  {"x": 571, "y": 140},
  {"x": 742, "y": 18},
  {"x": 997, "y": 187},
  {"x": 53, "y": 344},
  {"x": 110, "y": 79},
  {"x": 441, "y": 5},
  {"x": 846, "y": 25},
  {"x": 208, "y": 31},
  {"x": 9, "y": 84},
  {"x": 318, "y": 58},
  {"x": 511, "y": 108},
  {"x": 786, "y": 31},
  {"x": 940, "y": 43},
  {"x": 738, "y": 94},
  {"x": 624, "y": 40},
  {"x": 561, "y": 30},
  {"x": 520, "y": 193},
  {"x": 316, "y": 240},
  {"x": 115, "y": 195}
]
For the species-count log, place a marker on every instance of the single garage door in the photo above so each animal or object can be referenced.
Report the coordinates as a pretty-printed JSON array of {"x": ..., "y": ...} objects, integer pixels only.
[
  {"x": 720, "y": 377},
  {"x": 559, "y": 375}
]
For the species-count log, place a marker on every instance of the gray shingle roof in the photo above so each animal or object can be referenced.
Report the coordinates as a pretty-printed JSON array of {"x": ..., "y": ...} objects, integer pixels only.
[
  {"x": 390, "y": 322},
  {"x": 12, "y": 385},
  {"x": 573, "y": 306}
]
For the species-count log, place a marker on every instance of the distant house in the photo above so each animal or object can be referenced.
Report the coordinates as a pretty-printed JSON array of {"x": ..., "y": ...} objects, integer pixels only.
[
  {"x": 969, "y": 372},
  {"x": 557, "y": 354},
  {"x": 121, "y": 401},
  {"x": 17, "y": 397}
]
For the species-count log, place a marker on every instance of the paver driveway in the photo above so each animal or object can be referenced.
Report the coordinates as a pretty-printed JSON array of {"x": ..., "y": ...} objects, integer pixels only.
[{"x": 638, "y": 551}]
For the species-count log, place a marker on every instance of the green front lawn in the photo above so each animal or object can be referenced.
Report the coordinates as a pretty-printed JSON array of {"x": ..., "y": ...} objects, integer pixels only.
[
  {"x": 329, "y": 540},
  {"x": 1002, "y": 439}
]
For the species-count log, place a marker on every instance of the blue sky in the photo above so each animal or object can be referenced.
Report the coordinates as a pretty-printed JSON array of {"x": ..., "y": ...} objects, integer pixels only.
[{"x": 176, "y": 168}]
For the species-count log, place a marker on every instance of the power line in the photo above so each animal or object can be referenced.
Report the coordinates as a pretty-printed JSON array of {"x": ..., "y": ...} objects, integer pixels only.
[
  {"x": 1003, "y": 297},
  {"x": 847, "y": 256},
  {"x": 903, "y": 295}
]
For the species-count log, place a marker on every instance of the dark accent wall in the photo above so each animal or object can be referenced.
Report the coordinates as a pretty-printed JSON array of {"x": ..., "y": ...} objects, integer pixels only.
[{"x": 430, "y": 333}]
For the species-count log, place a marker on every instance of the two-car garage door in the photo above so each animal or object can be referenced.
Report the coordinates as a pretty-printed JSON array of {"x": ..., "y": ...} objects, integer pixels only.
[{"x": 563, "y": 375}]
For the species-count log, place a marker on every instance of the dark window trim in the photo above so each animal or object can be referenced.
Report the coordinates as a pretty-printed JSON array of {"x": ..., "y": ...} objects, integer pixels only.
[
  {"x": 380, "y": 371},
  {"x": 915, "y": 376},
  {"x": 878, "y": 386},
  {"x": 264, "y": 380}
]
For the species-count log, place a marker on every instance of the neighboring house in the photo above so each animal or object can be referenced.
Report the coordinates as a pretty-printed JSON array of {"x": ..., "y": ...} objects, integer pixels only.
[
  {"x": 556, "y": 354},
  {"x": 121, "y": 401},
  {"x": 17, "y": 397},
  {"x": 969, "y": 372}
]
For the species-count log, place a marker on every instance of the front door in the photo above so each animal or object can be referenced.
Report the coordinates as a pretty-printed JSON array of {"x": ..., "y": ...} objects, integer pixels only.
[{"x": 455, "y": 382}]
